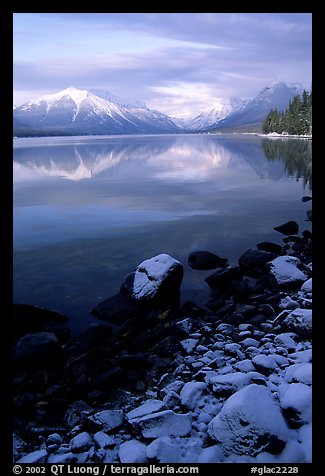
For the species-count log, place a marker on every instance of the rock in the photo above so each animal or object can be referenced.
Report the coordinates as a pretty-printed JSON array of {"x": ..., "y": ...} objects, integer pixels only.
[
  {"x": 296, "y": 403},
  {"x": 249, "y": 423},
  {"x": 81, "y": 442},
  {"x": 108, "y": 379},
  {"x": 306, "y": 198},
  {"x": 288, "y": 303},
  {"x": 189, "y": 345},
  {"x": 34, "y": 457},
  {"x": 116, "y": 309},
  {"x": 164, "y": 450},
  {"x": 147, "y": 407},
  {"x": 309, "y": 214},
  {"x": 164, "y": 423},
  {"x": 265, "y": 364},
  {"x": 132, "y": 451},
  {"x": 133, "y": 360},
  {"x": 307, "y": 287},
  {"x": 288, "y": 228},
  {"x": 300, "y": 322},
  {"x": 285, "y": 339},
  {"x": 223, "y": 277},
  {"x": 38, "y": 349},
  {"x": 106, "y": 420},
  {"x": 63, "y": 458},
  {"x": 212, "y": 454},
  {"x": 250, "y": 342},
  {"x": 191, "y": 394},
  {"x": 205, "y": 260},
  {"x": 77, "y": 413},
  {"x": 299, "y": 373},
  {"x": 54, "y": 439},
  {"x": 253, "y": 261},
  {"x": 270, "y": 247},
  {"x": 28, "y": 318},
  {"x": 155, "y": 279},
  {"x": 225, "y": 385},
  {"x": 103, "y": 440},
  {"x": 284, "y": 271}
]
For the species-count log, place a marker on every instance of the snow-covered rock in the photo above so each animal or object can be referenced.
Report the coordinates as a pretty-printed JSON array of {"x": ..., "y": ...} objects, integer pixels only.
[
  {"x": 103, "y": 440},
  {"x": 265, "y": 364},
  {"x": 34, "y": 457},
  {"x": 81, "y": 442},
  {"x": 211, "y": 454},
  {"x": 164, "y": 450},
  {"x": 107, "y": 420},
  {"x": 62, "y": 458},
  {"x": 132, "y": 451},
  {"x": 191, "y": 393},
  {"x": 285, "y": 272},
  {"x": 296, "y": 403},
  {"x": 307, "y": 287},
  {"x": 299, "y": 321},
  {"x": 234, "y": 381},
  {"x": 160, "y": 276},
  {"x": 305, "y": 437},
  {"x": 299, "y": 373},
  {"x": 165, "y": 423},
  {"x": 146, "y": 408},
  {"x": 250, "y": 422},
  {"x": 189, "y": 345}
]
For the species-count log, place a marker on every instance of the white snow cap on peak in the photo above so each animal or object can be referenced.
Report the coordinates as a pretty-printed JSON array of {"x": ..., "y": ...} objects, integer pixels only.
[{"x": 77, "y": 96}]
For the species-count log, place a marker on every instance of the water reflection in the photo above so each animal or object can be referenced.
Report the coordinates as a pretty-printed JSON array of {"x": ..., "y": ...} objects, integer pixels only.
[
  {"x": 295, "y": 154},
  {"x": 176, "y": 158}
]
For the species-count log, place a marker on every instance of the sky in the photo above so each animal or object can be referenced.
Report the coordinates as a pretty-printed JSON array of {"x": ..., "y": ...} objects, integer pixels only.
[{"x": 178, "y": 63}]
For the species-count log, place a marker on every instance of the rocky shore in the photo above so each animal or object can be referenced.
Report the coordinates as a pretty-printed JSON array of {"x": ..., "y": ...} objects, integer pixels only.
[{"x": 161, "y": 381}]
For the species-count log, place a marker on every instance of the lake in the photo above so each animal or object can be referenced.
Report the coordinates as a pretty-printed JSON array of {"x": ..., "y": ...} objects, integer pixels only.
[{"x": 88, "y": 210}]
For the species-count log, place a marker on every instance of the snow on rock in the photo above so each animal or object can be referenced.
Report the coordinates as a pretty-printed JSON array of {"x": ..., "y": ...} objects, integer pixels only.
[
  {"x": 165, "y": 423},
  {"x": 285, "y": 272},
  {"x": 211, "y": 454},
  {"x": 244, "y": 366},
  {"x": 250, "y": 342},
  {"x": 147, "y": 407},
  {"x": 250, "y": 422},
  {"x": 34, "y": 457},
  {"x": 302, "y": 355},
  {"x": 305, "y": 437},
  {"x": 307, "y": 287},
  {"x": 285, "y": 340},
  {"x": 288, "y": 303},
  {"x": 296, "y": 403},
  {"x": 232, "y": 382},
  {"x": 133, "y": 451},
  {"x": 191, "y": 393},
  {"x": 164, "y": 450},
  {"x": 189, "y": 345},
  {"x": 265, "y": 364},
  {"x": 81, "y": 442},
  {"x": 160, "y": 274},
  {"x": 103, "y": 440},
  {"x": 107, "y": 420},
  {"x": 299, "y": 321},
  {"x": 299, "y": 373},
  {"x": 62, "y": 458}
]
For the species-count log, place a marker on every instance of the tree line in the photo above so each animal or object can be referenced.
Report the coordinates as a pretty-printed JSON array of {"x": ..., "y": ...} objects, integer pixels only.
[{"x": 295, "y": 120}]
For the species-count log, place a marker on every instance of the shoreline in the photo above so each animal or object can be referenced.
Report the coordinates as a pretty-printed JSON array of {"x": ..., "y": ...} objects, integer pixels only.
[{"x": 150, "y": 386}]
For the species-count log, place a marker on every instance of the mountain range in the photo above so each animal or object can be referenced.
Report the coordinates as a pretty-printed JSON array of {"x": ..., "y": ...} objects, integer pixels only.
[{"x": 96, "y": 112}]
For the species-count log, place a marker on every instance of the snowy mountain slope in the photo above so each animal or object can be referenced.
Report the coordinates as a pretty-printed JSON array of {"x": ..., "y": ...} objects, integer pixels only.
[
  {"x": 82, "y": 112},
  {"x": 256, "y": 110}
]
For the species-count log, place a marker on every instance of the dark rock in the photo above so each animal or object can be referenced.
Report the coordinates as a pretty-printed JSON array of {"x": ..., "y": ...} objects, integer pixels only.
[
  {"x": 28, "y": 318},
  {"x": 240, "y": 290},
  {"x": 288, "y": 228},
  {"x": 270, "y": 247},
  {"x": 117, "y": 308},
  {"x": 307, "y": 234},
  {"x": 132, "y": 360},
  {"x": 299, "y": 246},
  {"x": 253, "y": 261},
  {"x": 108, "y": 379},
  {"x": 292, "y": 239},
  {"x": 223, "y": 277},
  {"x": 306, "y": 198},
  {"x": 38, "y": 349},
  {"x": 205, "y": 260},
  {"x": 257, "y": 319},
  {"x": 216, "y": 301},
  {"x": 309, "y": 214}
]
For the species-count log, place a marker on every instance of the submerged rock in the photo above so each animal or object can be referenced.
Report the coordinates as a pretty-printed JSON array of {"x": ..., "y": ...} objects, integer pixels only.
[{"x": 205, "y": 260}]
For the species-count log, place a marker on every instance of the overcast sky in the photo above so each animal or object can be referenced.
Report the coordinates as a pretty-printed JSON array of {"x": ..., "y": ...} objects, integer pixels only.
[{"x": 178, "y": 63}]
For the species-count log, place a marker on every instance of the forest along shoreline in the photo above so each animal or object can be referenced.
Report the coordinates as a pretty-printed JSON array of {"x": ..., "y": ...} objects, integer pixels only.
[{"x": 165, "y": 382}]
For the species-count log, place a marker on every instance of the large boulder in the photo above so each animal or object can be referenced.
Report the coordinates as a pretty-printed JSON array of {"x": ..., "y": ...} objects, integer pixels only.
[
  {"x": 157, "y": 279},
  {"x": 288, "y": 228},
  {"x": 224, "y": 277},
  {"x": 37, "y": 349},
  {"x": 252, "y": 262},
  {"x": 300, "y": 322},
  {"x": 284, "y": 272},
  {"x": 250, "y": 422}
]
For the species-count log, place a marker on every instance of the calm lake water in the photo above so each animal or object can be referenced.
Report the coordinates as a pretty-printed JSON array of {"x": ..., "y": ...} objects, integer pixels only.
[{"x": 88, "y": 210}]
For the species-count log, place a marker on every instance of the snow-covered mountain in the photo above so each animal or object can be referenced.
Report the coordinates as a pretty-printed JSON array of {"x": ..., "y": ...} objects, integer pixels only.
[
  {"x": 74, "y": 111},
  {"x": 255, "y": 111},
  {"x": 221, "y": 109}
]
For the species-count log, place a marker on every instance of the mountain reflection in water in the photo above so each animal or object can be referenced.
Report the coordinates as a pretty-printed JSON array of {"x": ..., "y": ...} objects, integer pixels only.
[{"x": 87, "y": 210}]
